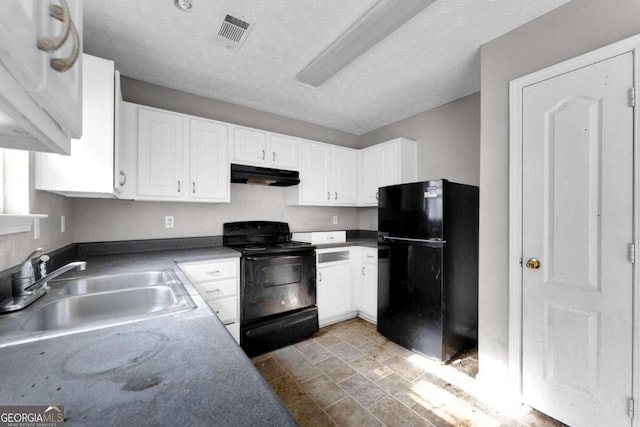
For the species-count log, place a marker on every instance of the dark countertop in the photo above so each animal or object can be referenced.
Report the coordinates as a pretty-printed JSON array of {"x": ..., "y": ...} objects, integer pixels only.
[
  {"x": 180, "y": 369},
  {"x": 366, "y": 242}
]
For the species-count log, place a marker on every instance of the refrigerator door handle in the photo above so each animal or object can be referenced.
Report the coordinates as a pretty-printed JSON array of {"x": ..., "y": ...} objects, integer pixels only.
[{"x": 406, "y": 239}]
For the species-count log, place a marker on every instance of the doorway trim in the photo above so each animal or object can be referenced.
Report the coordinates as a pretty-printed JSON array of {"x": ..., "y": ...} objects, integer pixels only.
[{"x": 516, "y": 88}]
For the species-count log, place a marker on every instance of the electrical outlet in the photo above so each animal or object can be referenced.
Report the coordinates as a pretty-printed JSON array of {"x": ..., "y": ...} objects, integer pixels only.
[
  {"x": 335, "y": 219},
  {"x": 63, "y": 224},
  {"x": 36, "y": 228},
  {"x": 168, "y": 222}
]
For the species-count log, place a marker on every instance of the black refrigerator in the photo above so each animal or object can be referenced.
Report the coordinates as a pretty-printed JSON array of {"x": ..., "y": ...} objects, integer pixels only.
[{"x": 428, "y": 266}]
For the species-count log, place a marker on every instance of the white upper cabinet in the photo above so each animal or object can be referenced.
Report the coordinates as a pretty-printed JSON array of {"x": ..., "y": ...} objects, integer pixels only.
[
  {"x": 89, "y": 170},
  {"x": 266, "y": 149},
  {"x": 328, "y": 176},
  {"x": 168, "y": 156},
  {"x": 388, "y": 163},
  {"x": 160, "y": 147},
  {"x": 40, "y": 74},
  {"x": 208, "y": 166}
]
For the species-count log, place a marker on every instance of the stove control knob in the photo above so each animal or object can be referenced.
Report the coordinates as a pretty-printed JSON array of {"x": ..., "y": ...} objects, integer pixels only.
[{"x": 282, "y": 302}]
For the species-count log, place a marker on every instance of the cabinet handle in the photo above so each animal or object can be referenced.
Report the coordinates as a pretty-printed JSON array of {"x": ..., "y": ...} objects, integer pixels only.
[
  {"x": 263, "y": 155},
  {"x": 213, "y": 291},
  {"x": 61, "y": 13},
  {"x": 178, "y": 186},
  {"x": 377, "y": 193},
  {"x": 194, "y": 187},
  {"x": 328, "y": 195},
  {"x": 319, "y": 277},
  {"x": 274, "y": 156},
  {"x": 336, "y": 197},
  {"x": 63, "y": 64},
  {"x": 363, "y": 271},
  {"x": 123, "y": 179},
  {"x": 211, "y": 273}
]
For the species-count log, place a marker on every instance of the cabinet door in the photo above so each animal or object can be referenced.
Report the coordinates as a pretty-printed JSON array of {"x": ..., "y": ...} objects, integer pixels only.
[
  {"x": 333, "y": 291},
  {"x": 89, "y": 168},
  {"x": 315, "y": 173},
  {"x": 369, "y": 288},
  {"x": 249, "y": 147},
  {"x": 388, "y": 164},
  {"x": 283, "y": 152},
  {"x": 369, "y": 175},
  {"x": 61, "y": 95},
  {"x": 19, "y": 53},
  {"x": 160, "y": 146},
  {"x": 344, "y": 188},
  {"x": 208, "y": 164}
]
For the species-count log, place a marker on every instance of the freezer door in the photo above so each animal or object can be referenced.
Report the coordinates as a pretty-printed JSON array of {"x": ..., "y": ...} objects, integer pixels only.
[{"x": 412, "y": 210}]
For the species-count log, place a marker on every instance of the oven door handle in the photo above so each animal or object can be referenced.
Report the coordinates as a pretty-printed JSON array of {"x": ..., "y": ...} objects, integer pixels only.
[{"x": 280, "y": 256}]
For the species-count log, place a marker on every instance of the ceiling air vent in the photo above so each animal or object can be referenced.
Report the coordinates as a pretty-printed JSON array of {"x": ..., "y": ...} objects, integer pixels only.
[{"x": 234, "y": 31}]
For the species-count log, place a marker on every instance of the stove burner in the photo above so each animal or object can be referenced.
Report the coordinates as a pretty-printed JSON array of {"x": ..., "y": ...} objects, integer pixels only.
[{"x": 255, "y": 248}]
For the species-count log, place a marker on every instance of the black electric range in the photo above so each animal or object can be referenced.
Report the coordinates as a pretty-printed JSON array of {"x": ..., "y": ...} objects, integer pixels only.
[{"x": 277, "y": 285}]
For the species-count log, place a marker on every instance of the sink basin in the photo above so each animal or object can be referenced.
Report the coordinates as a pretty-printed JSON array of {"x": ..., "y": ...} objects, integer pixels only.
[
  {"x": 87, "y": 285},
  {"x": 81, "y": 310},
  {"x": 84, "y": 304}
]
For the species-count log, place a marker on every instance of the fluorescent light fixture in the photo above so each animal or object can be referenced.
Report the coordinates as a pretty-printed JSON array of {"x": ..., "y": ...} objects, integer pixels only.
[{"x": 383, "y": 18}]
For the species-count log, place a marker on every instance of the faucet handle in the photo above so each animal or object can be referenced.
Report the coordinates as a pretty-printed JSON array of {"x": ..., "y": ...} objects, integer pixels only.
[
  {"x": 24, "y": 275},
  {"x": 42, "y": 261},
  {"x": 33, "y": 254}
]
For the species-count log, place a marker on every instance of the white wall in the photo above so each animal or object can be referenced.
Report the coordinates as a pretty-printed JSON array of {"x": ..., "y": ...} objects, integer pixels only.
[
  {"x": 576, "y": 28},
  {"x": 97, "y": 220},
  {"x": 448, "y": 145}
]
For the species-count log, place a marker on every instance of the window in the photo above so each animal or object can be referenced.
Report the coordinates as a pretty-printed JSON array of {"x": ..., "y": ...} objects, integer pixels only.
[
  {"x": 14, "y": 192},
  {"x": 15, "y": 182}
]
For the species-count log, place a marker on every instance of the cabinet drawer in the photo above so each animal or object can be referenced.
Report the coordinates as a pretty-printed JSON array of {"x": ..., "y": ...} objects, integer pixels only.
[
  {"x": 226, "y": 308},
  {"x": 218, "y": 289},
  {"x": 370, "y": 255},
  {"x": 207, "y": 271}
]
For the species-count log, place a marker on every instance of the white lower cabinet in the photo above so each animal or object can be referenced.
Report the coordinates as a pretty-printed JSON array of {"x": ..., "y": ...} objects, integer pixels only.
[
  {"x": 218, "y": 282},
  {"x": 368, "y": 284},
  {"x": 334, "y": 285},
  {"x": 347, "y": 284}
]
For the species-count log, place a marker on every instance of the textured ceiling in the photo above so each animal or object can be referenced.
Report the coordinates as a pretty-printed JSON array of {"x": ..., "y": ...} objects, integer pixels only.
[{"x": 431, "y": 60}]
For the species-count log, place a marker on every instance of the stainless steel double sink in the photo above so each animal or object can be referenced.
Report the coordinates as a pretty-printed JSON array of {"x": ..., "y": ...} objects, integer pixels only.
[{"x": 93, "y": 302}]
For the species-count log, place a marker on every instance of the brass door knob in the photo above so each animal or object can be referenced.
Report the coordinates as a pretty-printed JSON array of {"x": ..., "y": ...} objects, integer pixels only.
[{"x": 533, "y": 264}]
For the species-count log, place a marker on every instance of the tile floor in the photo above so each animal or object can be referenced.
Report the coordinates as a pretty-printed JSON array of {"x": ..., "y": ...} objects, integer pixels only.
[{"x": 349, "y": 375}]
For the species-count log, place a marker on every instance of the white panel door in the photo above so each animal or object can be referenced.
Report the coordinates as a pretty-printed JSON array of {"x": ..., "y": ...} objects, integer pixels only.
[
  {"x": 208, "y": 165},
  {"x": 344, "y": 187},
  {"x": 315, "y": 173},
  {"x": 578, "y": 224},
  {"x": 160, "y": 146},
  {"x": 249, "y": 147}
]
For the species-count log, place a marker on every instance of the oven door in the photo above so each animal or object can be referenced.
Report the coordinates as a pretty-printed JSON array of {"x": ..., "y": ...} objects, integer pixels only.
[{"x": 274, "y": 284}]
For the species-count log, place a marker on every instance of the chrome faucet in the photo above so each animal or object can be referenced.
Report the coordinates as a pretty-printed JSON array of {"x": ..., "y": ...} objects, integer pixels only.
[
  {"x": 42, "y": 282},
  {"x": 26, "y": 289}
]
